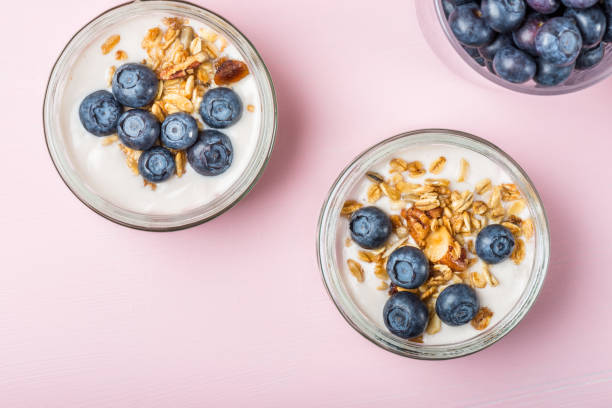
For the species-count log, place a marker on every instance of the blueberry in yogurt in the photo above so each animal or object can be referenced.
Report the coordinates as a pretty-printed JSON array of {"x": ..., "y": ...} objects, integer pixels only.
[
  {"x": 221, "y": 107},
  {"x": 591, "y": 57},
  {"x": 514, "y": 65},
  {"x": 457, "y": 304},
  {"x": 591, "y": 22},
  {"x": 156, "y": 164},
  {"x": 544, "y": 6},
  {"x": 503, "y": 15},
  {"x": 469, "y": 26},
  {"x": 99, "y": 113},
  {"x": 211, "y": 154},
  {"x": 524, "y": 37},
  {"x": 494, "y": 243},
  {"x": 408, "y": 267},
  {"x": 559, "y": 41},
  {"x": 405, "y": 315},
  {"x": 138, "y": 129},
  {"x": 370, "y": 227},
  {"x": 135, "y": 85},
  {"x": 179, "y": 131},
  {"x": 550, "y": 74}
]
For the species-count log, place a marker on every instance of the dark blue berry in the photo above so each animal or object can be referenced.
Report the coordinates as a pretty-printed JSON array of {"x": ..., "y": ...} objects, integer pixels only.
[
  {"x": 179, "y": 131},
  {"x": 524, "y": 37},
  {"x": 221, "y": 107},
  {"x": 138, "y": 129},
  {"x": 488, "y": 51},
  {"x": 580, "y": 3},
  {"x": 99, "y": 113},
  {"x": 591, "y": 57},
  {"x": 550, "y": 75},
  {"x": 211, "y": 154},
  {"x": 405, "y": 315},
  {"x": 544, "y": 6},
  {"x": 514, "y": 65},
  {"x": 135, "y": 85},
  {"x": 156, "y": 164},
  {"x": 370, "y": 227},
  {"x": 448, "y": 6},
  {"x": 408, "y": 267},
  {"x": 457, "y": 304},
  {"x": 469, "y": 26},
  {"x": 591, "y": 22},
  {"x": 503, "y": 15},
  {"x": 559, "y": 41},
  {"x": 494, "y": 243}
]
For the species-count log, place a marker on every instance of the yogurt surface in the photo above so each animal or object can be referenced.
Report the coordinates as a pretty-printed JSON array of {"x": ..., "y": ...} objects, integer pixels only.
[
  {"x": 103, "y": 168},
  {"x": 512, "y": 278}
]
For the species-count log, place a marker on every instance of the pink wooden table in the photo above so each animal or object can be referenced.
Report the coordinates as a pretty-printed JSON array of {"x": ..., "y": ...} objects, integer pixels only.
[{"x": 234, "y": 313}]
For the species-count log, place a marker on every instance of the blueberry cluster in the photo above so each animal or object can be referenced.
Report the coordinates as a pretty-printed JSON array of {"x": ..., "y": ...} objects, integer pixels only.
[
  {"x": 135, "y": 86},
  {"x": 543, "y": 40},
  {"x": 404, "y": 313}
]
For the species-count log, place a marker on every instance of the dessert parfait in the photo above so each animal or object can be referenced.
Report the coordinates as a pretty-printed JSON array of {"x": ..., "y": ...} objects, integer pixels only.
[
  {"x": 162, "y": 114},
  {"x": 435, "y": 243}
]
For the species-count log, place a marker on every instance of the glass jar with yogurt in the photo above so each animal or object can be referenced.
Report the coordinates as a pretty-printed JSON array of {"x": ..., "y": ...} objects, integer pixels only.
[
  {"x": 97, "y": 173},
  {"x": 355, "y": 277}
]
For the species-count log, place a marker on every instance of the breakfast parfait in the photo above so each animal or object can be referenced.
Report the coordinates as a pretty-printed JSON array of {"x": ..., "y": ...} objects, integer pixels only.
[
  {"x": 436, "y": 243},
  {"x": 163, "y": 115}
]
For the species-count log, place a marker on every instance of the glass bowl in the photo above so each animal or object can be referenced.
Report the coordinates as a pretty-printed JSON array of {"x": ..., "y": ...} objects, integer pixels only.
[
  {"x": 329, "y": 246},
  {"x": 57, "y": 134},
  {"x": 435, "y": 27}
]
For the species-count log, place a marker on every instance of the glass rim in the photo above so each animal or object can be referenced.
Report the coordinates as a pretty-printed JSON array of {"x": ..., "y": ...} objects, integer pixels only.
[
  {"x": 537, "y": 90},
  {"x": 263, "y": 69},
  {"x": 349, "y": 310}
]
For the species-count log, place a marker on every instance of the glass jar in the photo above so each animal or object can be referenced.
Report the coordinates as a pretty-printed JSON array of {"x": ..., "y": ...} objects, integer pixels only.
[
  {"x": 330, "y": 253},
  {"x": 57, "y": 133}
]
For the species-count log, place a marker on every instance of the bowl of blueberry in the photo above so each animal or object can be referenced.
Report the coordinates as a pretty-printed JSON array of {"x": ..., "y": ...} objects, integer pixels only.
[
  {"x": 159, "y": 115},
  {"x": 433, "y": 244},
  {"x": 542, "y": 47}
]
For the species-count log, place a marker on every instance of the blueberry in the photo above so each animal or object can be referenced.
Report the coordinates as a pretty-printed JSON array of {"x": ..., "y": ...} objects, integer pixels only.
[
  {"x": 494, "y": 243},
  {"x": 156, "y": 164},
  {"x": 405, "y": 315},
  {"x": 469, "y": 26},
  {"x": 514, "y": 65},
  {"x": 179, "y": 131},
  {"x": 488, "y": 51},
  {"x": 457, "y": 304},
  {"x": 580, "y": 3},
  {"x": 370, "y": 227},
  {"x": 408, "y": 267},
  {"x": 221, "y": 107},
  {"x": 591, "y": 57},
  {"x": 544, "y": 6},
  {"x": 135, "y": 85},
  {"x": 503, "y": 15},
  {"x": 551, "y": 75},
  {"x": 138, "y": 129},
  {"x": 524, "y": 37},
  {"x": 559, "y": 41},
  {"x": 591, "y": 22},
  {"x": 99, "y": 113},
  {"x": 211, "y": 154}
]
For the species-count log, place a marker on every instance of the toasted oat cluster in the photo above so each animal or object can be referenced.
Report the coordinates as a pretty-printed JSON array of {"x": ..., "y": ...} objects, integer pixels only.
[
  {"x": 187, "y": 63},
  {"x": 430, "y": 214}
]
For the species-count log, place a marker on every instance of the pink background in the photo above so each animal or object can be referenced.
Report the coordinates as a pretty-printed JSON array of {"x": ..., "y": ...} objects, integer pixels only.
[{"x": 234, "y": 313}]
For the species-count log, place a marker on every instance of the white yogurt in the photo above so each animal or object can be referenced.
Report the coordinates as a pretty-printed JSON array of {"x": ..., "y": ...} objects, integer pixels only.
[
  {"x": 512, "y": 278},
  {"x": 103, "y": 168}
]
